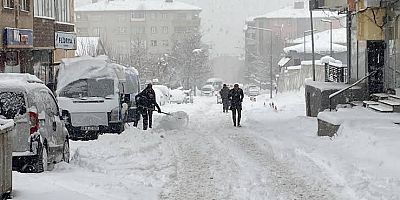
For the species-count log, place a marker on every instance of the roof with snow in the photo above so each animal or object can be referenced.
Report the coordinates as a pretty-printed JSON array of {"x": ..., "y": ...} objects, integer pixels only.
[
  {"x": 128, "y": 5},
  {"x": 319, "y": 47},
  {"x": 338, "y": 36},
  {"x": 292, "y": 12}
]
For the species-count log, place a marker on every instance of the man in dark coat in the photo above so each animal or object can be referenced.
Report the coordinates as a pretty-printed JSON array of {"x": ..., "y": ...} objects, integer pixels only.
[
  {"x": 224, "y": 92},
  {"x": 236, "y": 97},
  {"x": 146, "y": 104}
]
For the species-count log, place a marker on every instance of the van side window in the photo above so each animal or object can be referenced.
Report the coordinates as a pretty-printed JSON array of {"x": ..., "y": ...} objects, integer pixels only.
[{"x": 51, "y": 105}]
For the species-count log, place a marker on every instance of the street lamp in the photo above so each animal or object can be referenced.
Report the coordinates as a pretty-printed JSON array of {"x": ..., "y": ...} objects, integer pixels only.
[
  {"x": 330, "y": 22},
  {"x": 304, "y": 39},
  {"x": 270, "y": 53}
]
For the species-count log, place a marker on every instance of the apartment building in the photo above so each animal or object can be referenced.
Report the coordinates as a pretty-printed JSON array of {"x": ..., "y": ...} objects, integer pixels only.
[
  {"x": 125, "y": 26},
  {"x": 36, "y": 35},
  {"x": 16, "y": 35}
]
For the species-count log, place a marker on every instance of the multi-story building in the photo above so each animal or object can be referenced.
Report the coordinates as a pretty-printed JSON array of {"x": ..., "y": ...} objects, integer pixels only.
[
  {"x": 35, "y": 35},
  {"x": 54, "y": 36},
  {"x": 125, "y": 26},
  {"x": 286, "y": 24},
  {"x": 16, "y": 35}
]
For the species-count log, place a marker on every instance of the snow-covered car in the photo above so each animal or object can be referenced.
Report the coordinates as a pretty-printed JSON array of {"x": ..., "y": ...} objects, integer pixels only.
[
  {"x": 178, "y": 96},
  {"x": 40, "y": 137},
  {"x": 253, "y": 91},
  {"x": 207, "y": 90},
  {"x": 96, "y": 96},
  {"x": 162, "y": 94}
]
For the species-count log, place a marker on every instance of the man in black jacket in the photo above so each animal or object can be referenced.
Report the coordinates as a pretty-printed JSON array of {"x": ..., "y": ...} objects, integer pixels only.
[
  {"x": 146, "y": 104},
  {"x": 236, "y": 97},
  {"x": 225, "y": 98}
]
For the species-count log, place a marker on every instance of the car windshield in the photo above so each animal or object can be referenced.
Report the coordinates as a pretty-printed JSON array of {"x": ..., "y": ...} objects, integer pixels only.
[
  {"x": 12, "y": 104},
  {"x": 89, "y": 88}
]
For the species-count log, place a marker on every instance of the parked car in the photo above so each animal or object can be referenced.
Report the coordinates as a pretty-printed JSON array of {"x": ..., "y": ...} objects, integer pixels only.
[
  {"x": 207, "y": 90},
  {"x": 178, "y": 96},
  {"x": 162, "y": 94},
  {"x": 253, "y": 91},
  {"x": 96, "y": 96},
  {"x": 217, "y": 83},
  {"x": 40, "y": 137}
]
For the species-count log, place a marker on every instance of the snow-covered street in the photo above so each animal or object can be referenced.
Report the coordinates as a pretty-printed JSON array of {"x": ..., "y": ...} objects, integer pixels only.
[{"x": 275, "y": 155}]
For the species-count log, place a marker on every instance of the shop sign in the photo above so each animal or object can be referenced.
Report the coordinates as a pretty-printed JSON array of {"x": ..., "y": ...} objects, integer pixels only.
[
  {"x": 65, "y": 40},
  {"x": 18, "y": 38}
]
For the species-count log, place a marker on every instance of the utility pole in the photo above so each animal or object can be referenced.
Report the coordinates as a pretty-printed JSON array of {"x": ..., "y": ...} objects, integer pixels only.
[
  {"x": 349, "y": 46},
  {"x": 312, "y": 43}
]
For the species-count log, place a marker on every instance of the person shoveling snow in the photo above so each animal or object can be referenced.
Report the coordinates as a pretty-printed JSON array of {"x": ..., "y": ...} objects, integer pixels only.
[{"x": 174, "y": 121}]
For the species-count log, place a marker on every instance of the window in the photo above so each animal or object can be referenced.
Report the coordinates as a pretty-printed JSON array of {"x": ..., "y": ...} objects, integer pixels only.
[
  {"x": 63, "y": 8},
  {"x": 153, "y": 15},
  {"x": 164, "y": 15},
  {"x": 81, "y": 17},
  {"x": 44, "y": 8},
  {"x": 122, "y": 29},
  {"x": 8, "y": 3},
  {"x": 96, "y": 31},
  {"x": 153, "y": 29},
  {"x": 25, "y": 5},
  {"x": 165, "y": 29},
  {"x": 180, "y": 29},
  {"x": 181, "y": 16},
  {"x": 165, "y": 43},
  {"x": 154, "y": 43},
  {"x": 138, "y": 16}
]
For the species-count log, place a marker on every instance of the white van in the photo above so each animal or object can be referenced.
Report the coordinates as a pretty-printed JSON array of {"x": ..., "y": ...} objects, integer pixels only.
[{"x": 96, "y": 96}]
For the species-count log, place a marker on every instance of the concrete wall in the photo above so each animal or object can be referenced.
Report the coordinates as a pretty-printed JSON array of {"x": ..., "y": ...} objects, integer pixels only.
[
  {"x": 43, "y": 33},
  {"x": 317, "y": 98}
]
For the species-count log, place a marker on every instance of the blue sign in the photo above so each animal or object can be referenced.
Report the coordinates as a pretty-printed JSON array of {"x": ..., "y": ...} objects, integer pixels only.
[{"x": 18, "y": 38}]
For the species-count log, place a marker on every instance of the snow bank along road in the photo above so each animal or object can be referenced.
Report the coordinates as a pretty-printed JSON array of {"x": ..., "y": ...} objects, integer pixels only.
[{"x": 275, "y": 155}]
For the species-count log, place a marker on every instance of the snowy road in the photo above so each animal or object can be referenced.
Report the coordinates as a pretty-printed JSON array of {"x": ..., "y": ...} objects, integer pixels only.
[{"x": 275, "y": 155}]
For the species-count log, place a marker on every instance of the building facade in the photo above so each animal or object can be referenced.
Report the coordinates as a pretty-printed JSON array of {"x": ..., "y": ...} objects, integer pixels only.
[
  {"x": 35, "y": 36},
  {"x": 16, "y": 35},
  {"x": 126, "y": 27}
]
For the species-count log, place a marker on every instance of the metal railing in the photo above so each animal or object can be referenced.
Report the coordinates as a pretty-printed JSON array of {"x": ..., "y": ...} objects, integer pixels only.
[{"x": 348, "y": 88}]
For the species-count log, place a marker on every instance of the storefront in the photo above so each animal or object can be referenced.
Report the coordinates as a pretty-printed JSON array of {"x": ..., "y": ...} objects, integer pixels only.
[{"x": 15, "y": 57}]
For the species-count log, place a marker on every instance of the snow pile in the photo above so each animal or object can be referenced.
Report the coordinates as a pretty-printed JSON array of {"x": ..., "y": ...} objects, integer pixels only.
[
  {"x": 319, "y": 47},
  {"x": 5, "y": 124},
  {"x": 331, "y": 61},
  {"x": 174, "y": 121}
]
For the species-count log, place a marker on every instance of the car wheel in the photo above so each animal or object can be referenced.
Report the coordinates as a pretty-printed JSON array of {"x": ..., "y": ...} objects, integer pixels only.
[{"x": 66, "y": 152}]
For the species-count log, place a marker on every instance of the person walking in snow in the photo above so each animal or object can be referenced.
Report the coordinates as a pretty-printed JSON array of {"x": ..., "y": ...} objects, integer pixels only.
[
  {"x": 224, "y": 92},
  {"x": 146, "y": 104},
  {"x": 236, "y": 97}
]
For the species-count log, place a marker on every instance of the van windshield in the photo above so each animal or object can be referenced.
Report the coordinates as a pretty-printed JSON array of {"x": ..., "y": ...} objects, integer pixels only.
[
  {"x": 12, "y": 104},
  {"x": 89, "y": 88}
]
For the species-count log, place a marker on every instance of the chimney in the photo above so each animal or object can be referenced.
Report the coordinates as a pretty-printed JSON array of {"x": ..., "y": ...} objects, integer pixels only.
[
  {"x": 169, "y": 1},
  {"x": 95, "y": 1}
]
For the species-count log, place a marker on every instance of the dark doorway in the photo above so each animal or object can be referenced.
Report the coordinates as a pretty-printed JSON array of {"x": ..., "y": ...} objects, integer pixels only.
[{"x": 376, "y": 62}]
